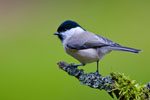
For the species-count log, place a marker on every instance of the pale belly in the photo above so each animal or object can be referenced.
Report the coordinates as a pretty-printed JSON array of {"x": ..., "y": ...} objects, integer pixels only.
[{"x": 85, "y": 55}]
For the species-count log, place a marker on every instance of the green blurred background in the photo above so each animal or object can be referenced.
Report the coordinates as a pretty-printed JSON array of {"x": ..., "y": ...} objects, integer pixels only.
[{"x": 29, "y": 52}]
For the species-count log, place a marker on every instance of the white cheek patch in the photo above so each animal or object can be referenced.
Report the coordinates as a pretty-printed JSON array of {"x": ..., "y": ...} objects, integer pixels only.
[{"x": 69, "y": 33}]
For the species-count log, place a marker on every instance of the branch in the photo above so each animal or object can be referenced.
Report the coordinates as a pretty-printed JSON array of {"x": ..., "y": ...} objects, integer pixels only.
[{"x": 116, "y": 84}]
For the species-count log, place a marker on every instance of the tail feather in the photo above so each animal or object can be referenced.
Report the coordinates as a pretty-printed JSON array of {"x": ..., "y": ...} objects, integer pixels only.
[{"x": 127, "y": 49}]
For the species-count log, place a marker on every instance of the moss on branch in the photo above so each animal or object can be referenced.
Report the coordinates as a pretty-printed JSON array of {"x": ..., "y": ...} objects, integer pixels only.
[{"x": 116, "y": 84}]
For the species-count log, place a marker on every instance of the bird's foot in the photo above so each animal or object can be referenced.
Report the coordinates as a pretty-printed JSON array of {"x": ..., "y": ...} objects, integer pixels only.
[
  {"x": 97, "y": 73},
  {"x": 76, "y": 66},
  {"x": 73, "y": 65}
]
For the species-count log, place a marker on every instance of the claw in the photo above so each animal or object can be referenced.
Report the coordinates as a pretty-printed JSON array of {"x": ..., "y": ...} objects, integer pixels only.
[
  {"x": 73, "y": 65},
  {"x": 97, "y": 73}
]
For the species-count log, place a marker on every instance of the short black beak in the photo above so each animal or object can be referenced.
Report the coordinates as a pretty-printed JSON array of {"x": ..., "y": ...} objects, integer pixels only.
[{"x": 56, "y": 33}]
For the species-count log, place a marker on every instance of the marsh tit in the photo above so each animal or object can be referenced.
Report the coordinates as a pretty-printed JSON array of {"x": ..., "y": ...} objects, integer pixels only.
[{"x": 86, "y": 46}]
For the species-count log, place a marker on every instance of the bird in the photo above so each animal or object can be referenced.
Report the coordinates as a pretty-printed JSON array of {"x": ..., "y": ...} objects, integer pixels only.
[{"x": 86, "y": 46}]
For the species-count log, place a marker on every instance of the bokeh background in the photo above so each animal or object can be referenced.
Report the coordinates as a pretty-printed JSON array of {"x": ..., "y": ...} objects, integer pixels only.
[{"x": 29, "y": 52}]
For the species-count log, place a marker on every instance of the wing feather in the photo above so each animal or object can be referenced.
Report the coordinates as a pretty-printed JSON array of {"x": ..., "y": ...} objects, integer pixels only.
[{"x": 87, "y": 40}]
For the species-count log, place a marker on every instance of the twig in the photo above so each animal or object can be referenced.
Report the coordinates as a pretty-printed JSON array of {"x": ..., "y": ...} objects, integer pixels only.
[{"x": 115, "y": 84}]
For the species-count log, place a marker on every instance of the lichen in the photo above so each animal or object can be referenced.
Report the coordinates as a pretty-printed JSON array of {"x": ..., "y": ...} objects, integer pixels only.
[
  {"x": 97, "y": 81},
  {"x": 128, "y": 89},
  {"x": 92, "y": 79}
]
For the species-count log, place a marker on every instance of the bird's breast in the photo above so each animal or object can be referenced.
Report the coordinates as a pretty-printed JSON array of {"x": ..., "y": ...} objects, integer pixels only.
[{"x": 85, "y": 55}]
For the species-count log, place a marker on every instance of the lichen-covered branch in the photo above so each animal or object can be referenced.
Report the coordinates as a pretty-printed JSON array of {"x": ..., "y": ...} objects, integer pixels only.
[{"x": 116, "y": 84}]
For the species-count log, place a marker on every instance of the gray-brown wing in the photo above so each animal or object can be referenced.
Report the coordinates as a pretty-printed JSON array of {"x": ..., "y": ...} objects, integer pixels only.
[{"x": 88, "y": 40}]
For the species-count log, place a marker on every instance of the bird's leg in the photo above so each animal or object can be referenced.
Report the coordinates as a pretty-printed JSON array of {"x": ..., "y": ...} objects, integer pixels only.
[
  {"x": 82, "y": 64},
  {"x": 97, "y": 71}
]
